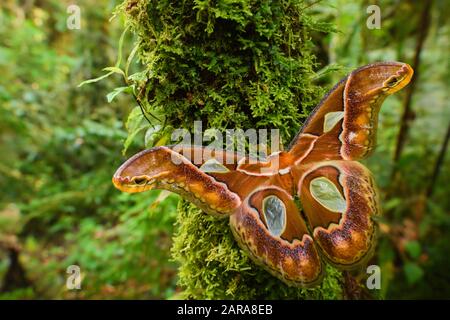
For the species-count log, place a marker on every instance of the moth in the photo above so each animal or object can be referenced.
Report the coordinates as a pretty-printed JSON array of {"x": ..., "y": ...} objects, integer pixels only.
[{"x": 311, "y": 204}]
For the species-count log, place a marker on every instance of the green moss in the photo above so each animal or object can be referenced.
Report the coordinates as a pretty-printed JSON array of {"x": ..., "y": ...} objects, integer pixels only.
[
  {"x": 232, "y": 64},
  {"x": 213, "y": 267}
]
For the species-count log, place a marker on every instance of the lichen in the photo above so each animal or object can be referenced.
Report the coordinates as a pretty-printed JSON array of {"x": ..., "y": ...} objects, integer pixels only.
[{"x": 231, "y": 64}]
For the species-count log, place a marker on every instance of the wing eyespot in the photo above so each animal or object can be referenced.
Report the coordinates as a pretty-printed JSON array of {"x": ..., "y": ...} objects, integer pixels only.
[
  {"x": 274, "y": 212},
  {"x": 326, "y": 193}
]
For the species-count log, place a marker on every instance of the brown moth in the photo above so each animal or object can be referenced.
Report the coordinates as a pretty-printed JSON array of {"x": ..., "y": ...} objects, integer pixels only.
[{"x": 337, "y": 194}]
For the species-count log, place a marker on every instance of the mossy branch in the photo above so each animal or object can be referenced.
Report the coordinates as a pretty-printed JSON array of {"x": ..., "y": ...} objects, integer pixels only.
[{"x": 232, "y": 64}]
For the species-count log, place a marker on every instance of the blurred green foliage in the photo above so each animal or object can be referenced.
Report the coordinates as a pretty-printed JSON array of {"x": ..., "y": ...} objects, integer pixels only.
[
  {"x": 414, "y": 243},
  {"x": 60, "y": 144},
  {"x": 59, "y": 147}
]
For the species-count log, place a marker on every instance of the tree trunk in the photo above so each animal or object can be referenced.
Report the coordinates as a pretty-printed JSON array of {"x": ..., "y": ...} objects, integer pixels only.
[
  {"x": 231, "y": 65},
  {"x": 439, "y": 162},
  {"x": 423, "y": 27},
  {"x": 15, "y": 277}
]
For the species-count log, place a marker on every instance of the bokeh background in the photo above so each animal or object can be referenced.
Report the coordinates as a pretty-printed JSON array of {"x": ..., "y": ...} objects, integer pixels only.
[{"x": 60, "y": 144}]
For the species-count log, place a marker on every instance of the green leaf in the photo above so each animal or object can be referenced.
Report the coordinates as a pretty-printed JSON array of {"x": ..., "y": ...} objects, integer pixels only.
[
  {"x": 130, "y": 58},
  {"x": 413, "y": 272},
  {"x": 135, "y": 124},
  {"x": 111, "y": 95},
  {"x": 151, "y": 135},
  {"x": 328, "y": 70},
  {"x": 95, "y": 79},
  {"x": 413, "y": 248},
  {"x": 121, "y": 40},
  {"x": 138, "y": 76},
  {"x": 115, "y": 70},
  {"x": 112, "y": 70}
]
